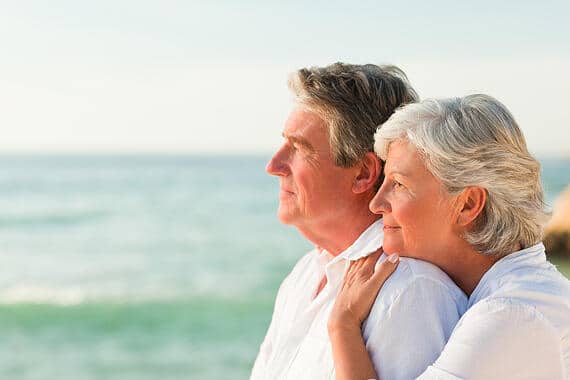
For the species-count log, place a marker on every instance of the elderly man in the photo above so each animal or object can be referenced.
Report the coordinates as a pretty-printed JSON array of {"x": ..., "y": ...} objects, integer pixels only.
[{"x": 328, "y": 174}]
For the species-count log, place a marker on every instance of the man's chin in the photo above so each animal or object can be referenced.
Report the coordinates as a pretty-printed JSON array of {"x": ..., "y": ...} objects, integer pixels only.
[{"x": 285, "y": 217}]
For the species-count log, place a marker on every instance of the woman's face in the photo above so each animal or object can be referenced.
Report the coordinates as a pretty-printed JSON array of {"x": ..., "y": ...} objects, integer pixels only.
[{"x": 418, "y": 211}]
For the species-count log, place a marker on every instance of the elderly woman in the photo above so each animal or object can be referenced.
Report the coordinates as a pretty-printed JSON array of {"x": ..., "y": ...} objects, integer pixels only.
[{"x": 462, "y": 192}]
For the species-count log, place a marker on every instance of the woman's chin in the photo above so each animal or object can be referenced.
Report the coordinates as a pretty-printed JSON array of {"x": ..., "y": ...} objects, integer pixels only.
[{"x": 392, "y": 247}]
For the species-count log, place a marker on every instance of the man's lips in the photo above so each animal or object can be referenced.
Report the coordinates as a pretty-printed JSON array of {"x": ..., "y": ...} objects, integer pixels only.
[
  {"x": 286, "y": 189},
  {"x": 285, "y": 193},
  {"x": 388, "y": 227}
]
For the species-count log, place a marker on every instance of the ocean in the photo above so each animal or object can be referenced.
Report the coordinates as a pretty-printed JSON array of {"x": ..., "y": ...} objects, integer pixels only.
[{"x": 144, "y": 267}]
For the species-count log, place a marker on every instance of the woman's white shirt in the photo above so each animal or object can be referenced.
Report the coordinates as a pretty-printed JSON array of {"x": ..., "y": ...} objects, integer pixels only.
[{"x": 517, "y": 325}]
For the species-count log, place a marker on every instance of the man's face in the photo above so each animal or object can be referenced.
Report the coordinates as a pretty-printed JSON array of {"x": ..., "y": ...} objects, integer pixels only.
[{"x": 314, "y": 190}]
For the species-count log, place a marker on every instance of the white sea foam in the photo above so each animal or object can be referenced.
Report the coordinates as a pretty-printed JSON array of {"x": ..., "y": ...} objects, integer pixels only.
[
  {"x": 44, "y": 295},
  {"x": 76, "y": 295}
]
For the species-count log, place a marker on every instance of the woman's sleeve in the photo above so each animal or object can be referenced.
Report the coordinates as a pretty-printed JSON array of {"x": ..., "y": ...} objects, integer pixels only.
[{"x": 500, "y": 339}]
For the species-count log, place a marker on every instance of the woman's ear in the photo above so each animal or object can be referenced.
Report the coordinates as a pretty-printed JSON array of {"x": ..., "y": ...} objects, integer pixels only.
[
  {"x": 368, "y": 174},
  {"x": 470, "y": 205}
]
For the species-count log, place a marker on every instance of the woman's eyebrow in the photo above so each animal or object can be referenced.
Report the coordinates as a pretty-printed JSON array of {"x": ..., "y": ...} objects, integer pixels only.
[
  {"x": 399, "y": 172},
  {"x": 395, "y": 169}
]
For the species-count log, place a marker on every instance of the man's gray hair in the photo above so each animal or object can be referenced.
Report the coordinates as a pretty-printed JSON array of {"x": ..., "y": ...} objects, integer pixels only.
[
  {"x": 353, "y": 100},
  {"x": 475, "y": 141}
]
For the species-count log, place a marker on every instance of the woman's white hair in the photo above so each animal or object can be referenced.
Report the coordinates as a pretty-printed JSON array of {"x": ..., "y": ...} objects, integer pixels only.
[{"x": 475, "y": 141}]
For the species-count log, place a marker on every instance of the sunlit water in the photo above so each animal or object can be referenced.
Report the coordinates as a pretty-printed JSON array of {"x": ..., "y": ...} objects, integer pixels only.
[{"x": 143, "y": 267}]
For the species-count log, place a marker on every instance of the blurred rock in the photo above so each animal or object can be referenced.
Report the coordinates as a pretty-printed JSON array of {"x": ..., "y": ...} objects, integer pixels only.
[{"x": 557, "y": 232}]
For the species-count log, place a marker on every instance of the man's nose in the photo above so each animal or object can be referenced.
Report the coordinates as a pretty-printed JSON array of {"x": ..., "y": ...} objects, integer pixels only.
[
  {"x": 278, "y": 165},
  {"x": 379, "y": 204}
]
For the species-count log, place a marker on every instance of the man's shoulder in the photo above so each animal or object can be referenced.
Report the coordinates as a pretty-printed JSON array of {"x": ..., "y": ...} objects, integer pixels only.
[
  {"x": 304, "y": 263},
  {"x": 421, "y": 299},
  {"x": 418, "y": 284},
  {"x": 412, "y": 273},
  {"x": 302, "y": 268}
]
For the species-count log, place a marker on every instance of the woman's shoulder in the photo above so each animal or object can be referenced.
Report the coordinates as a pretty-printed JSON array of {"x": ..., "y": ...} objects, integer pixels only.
[{"x": 540, "y": 298}]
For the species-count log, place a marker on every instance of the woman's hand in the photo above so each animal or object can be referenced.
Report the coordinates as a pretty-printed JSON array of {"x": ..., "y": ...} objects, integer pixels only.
[
  {"x": 353, "y": 303},
  {"x": 358, "y": 291}
]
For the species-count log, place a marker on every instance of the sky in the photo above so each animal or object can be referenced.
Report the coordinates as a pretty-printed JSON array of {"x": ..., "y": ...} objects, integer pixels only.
[{"x": 210, "y": 76}]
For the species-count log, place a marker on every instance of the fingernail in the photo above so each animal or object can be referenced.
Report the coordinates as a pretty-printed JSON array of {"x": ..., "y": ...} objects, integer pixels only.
[{"x": 393, "y": 258}]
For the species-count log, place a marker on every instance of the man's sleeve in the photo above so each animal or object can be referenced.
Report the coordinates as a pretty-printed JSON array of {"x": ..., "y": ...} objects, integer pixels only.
[
  {"x": 500, "y": 339},
  {"x": 259, "y": 367},
  {"x": 408, "y": 334}
]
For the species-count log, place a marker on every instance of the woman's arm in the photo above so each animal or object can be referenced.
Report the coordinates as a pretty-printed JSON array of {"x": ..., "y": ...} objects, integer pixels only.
[{"x": 353, "y": 303}]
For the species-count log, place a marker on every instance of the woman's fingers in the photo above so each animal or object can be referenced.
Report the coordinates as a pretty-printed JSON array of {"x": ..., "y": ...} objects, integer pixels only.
[
  {"x": 364, "y": 267},
  {"x": 370, "y": 261},
  {"x": 385, "y": 269},
  {"x": 351, "y": 273},
  {"x": 359, "y": 289}
]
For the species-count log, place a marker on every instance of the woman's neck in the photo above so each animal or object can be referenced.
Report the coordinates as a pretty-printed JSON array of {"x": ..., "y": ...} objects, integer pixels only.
[{"x": 466, "y": 266}]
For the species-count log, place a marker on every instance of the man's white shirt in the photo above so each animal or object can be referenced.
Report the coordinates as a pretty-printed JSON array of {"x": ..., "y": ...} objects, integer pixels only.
[
  {"x": 408, "y": 326},
  {"x": 517, "y": 325}
]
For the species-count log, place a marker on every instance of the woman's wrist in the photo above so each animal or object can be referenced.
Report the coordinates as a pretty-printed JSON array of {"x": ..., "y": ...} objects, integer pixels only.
[{"x": 344, "y": 326}]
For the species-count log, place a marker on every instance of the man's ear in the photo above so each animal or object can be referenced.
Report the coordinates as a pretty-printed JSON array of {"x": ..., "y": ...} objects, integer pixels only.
[
  {"x": 470, "y": 205},
  {"x": 369, "y": 170}
]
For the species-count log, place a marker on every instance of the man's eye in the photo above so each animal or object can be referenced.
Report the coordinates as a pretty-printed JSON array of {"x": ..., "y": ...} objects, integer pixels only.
[
  {"x": 397, "y": 184},
  {"x": 296, "y": 146}
]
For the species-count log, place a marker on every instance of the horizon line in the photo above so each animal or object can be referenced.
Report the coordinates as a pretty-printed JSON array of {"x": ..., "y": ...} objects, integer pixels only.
[{"x": 180, "y": 153}]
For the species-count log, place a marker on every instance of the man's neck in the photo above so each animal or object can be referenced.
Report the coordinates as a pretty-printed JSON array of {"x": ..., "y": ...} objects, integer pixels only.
[{"x": 337, "y": 236}]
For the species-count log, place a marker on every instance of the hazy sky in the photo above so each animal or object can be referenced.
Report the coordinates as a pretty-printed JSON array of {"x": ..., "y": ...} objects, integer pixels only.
[{"x": 183, "y": 77}]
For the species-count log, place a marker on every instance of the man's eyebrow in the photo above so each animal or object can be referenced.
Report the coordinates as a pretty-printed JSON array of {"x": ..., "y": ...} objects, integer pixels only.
[{"x": 300, "y": 141}]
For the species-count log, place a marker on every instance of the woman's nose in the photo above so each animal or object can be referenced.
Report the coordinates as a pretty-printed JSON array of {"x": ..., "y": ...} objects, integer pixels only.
[{"x": 378, "y": 204}]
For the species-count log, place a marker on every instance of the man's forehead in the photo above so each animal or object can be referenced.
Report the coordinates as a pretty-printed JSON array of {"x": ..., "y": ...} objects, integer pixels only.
[
  {"x": 301, "y": 123},
  {"x": 308, "y": 129}
]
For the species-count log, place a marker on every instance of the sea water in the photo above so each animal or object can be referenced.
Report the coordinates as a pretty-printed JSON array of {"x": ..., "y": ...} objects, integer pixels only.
[{"x": 144, "y": 267}]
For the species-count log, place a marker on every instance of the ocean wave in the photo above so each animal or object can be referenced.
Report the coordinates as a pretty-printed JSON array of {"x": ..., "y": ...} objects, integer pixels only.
[
  {"x": 76, "y": 295},
  {"x": 71, "y": 296},
  {"x": 51, "y": 219},
  {"x": 195, "y": 318},
  {"x": 42, "y": 295}
]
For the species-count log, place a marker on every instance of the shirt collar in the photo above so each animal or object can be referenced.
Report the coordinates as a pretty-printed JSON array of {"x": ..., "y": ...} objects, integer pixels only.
[
  {"x": 531, "y": 256},
  {"x": 368, "y": 242}
]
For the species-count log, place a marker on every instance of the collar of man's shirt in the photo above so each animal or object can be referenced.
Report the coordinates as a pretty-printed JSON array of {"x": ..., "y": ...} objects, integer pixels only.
[
  {"x": 333, "y": 268},
  {"x": 368, "y": 242}
]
